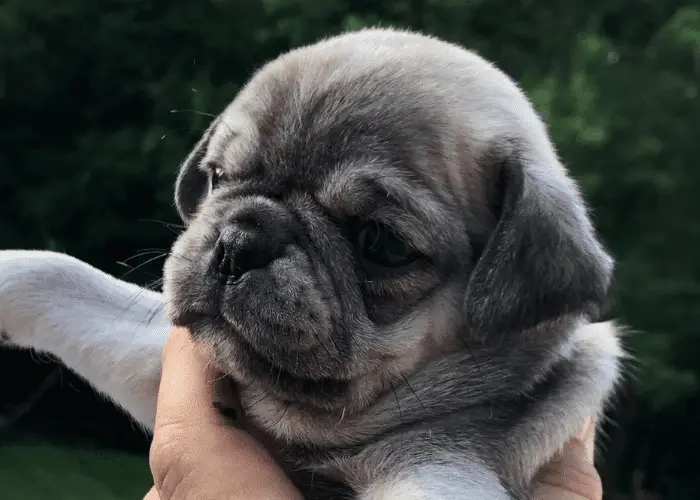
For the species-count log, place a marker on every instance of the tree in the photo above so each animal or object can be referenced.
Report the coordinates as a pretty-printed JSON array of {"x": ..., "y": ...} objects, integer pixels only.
[{"x": 100, "y": 106}]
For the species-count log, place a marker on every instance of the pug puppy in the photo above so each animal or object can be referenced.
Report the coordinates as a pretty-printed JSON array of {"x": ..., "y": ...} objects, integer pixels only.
[{"x": 385, "y": 256}]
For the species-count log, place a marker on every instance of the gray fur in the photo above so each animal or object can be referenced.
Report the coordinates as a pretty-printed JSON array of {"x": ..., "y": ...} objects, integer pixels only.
[{"x": 428, "y": 380}]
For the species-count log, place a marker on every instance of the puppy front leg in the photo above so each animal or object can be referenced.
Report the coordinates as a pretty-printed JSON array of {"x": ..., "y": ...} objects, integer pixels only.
[
  {"x": 584, "y": 385},
  {"x": 457, "y": 479},
  {"x": 108, "y": 331}
]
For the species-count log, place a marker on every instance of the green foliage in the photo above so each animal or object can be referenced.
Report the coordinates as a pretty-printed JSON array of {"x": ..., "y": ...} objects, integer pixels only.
[
  {"x": 39, "y": 472},
  {"x": 99, "y": 105}
]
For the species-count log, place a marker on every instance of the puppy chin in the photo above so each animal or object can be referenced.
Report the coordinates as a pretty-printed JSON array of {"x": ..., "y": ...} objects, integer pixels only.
[{"x": 264, "y": 379}]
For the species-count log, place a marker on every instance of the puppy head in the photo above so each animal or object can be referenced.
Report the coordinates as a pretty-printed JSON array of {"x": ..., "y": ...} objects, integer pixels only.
[{"x": 366, "y": 204}]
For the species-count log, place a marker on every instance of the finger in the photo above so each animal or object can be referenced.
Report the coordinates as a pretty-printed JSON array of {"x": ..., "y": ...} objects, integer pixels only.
[
  {"x": 570, "y": 476},
  {"x": 212, "y": 464},
  {"x": 587, "y": 437},
  {"x": 152, "y": 494},
  {"x": 194, "y": 454},
  {"x": 186, "y": 389}
]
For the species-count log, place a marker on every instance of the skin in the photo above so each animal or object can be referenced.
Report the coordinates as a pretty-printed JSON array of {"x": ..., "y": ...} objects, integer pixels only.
[{"x": 195, "y": 454}]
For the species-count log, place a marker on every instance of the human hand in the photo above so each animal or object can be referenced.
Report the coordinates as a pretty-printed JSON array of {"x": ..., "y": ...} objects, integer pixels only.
[
  {"x": 571, "y": 474},
  {"x": 195, "y": 454}
]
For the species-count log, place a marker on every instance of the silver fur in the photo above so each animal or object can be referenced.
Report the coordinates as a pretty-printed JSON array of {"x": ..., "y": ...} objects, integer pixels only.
[{"x": 456, "y": 377}]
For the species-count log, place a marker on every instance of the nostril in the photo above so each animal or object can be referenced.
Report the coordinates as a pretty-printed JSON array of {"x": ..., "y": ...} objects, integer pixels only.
[
  {"x": 249, "y": 258},
  {"x": 221, "y": 257},
  {"x": 225, "y": 263},
  {"x": 242, "y": 249}
]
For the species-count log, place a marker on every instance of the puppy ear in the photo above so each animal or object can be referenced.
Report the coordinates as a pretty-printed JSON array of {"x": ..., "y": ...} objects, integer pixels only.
[
  {"x": 543, "y": 260},
  {"x": 192, "y": 184}
]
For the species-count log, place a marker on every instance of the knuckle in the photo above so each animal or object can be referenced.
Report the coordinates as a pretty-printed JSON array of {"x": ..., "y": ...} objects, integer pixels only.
[
  {"x": 170, "y": 475},
  {"x": 584, "y": 484},
  {"x": 170, "y": 479},
  {"x": 168, "y": 462}
]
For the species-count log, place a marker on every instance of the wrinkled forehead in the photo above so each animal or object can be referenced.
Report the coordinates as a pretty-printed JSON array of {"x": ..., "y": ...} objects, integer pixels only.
[
  {"x": 296, "y": 130},
  {"x": 299, "y": 122},
  {"x": 364, "y": 139}
]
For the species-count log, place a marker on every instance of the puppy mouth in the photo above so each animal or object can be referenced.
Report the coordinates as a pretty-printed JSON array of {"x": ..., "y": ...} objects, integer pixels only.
[
  {"x": 255, "y": 367},
  {"x": 273, "y": 379}
]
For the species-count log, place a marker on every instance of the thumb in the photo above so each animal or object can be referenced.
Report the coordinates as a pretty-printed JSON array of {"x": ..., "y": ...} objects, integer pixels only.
[
  {"x": 152, "y": 494},
  {"x": 571, "y": 475},
  {"x": 194, "y": 453}
]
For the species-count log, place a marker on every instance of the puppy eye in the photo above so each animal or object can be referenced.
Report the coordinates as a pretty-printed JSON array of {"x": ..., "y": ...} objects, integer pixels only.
[
  {"x": 216, "y": 173},
  {"x": 379, "y": 245}
]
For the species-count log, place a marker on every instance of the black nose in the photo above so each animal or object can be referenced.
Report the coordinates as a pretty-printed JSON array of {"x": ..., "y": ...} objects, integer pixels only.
[{"x": 240, "y": 249}]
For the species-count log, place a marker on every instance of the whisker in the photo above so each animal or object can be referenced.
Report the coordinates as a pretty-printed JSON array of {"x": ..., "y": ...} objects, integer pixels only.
[
  {"x": 407, "y": 384},
  {"x": 142, "y": 253},
  {"x": 284, "y": 414},
  {"x": 154, "y": 284},
  {"x": 151, "y": 315},
  {"x": 195, "y": 111},
  {"x": 322, "y": 344},
  {"x": 470, "y": 350},
  {"x": 398, "y": 405},
  {"x": 178, "y": 256},
  {"x": 174, "y": 228},
  {"x": 146, "y": 262}
]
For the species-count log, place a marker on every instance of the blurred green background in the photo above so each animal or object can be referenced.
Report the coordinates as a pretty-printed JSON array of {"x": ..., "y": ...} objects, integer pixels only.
[{"x": 100, "y": 101}]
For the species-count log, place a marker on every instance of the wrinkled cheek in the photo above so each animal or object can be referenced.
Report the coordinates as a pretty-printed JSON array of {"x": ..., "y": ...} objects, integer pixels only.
[
  {"x": 185, "y": 274},
  {"x": 298, "y": 289},
  {"x": 171, "y": 271},
  {"x": 384, "y": 310},
  {"x": 284, "y": 307}
]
